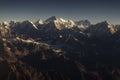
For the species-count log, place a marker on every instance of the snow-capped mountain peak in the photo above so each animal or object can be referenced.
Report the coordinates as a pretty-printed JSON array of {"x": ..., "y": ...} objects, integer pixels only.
[
  {"x": 51, "y": 19},
  {"x": 39, "y": 22},
  {"x": 54, "y": 18},
  {"x": 27, "y": 22},
  {"x": 100, "y": 29},
  {"x": 63, "y": 20}
]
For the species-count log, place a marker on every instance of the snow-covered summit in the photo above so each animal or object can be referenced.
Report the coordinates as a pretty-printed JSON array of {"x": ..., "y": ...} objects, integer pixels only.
[
  {"x": 39, "y": 22},
  {"x": 29, "y": 23},
  {"x": 64, "y": 23}
]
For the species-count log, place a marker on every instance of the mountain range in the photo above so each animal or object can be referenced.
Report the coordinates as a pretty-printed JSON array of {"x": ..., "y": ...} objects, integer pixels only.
[
  {"x": 59, "y": 49},
  {"x": 58, "y": 24}
]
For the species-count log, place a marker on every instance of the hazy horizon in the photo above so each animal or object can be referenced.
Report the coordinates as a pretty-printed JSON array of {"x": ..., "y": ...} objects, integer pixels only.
[{"x": 93, "y": 10}]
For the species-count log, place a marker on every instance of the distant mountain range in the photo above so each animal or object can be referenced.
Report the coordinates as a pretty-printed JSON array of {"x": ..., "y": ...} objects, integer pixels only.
[{"x": 59, "y": 24}]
